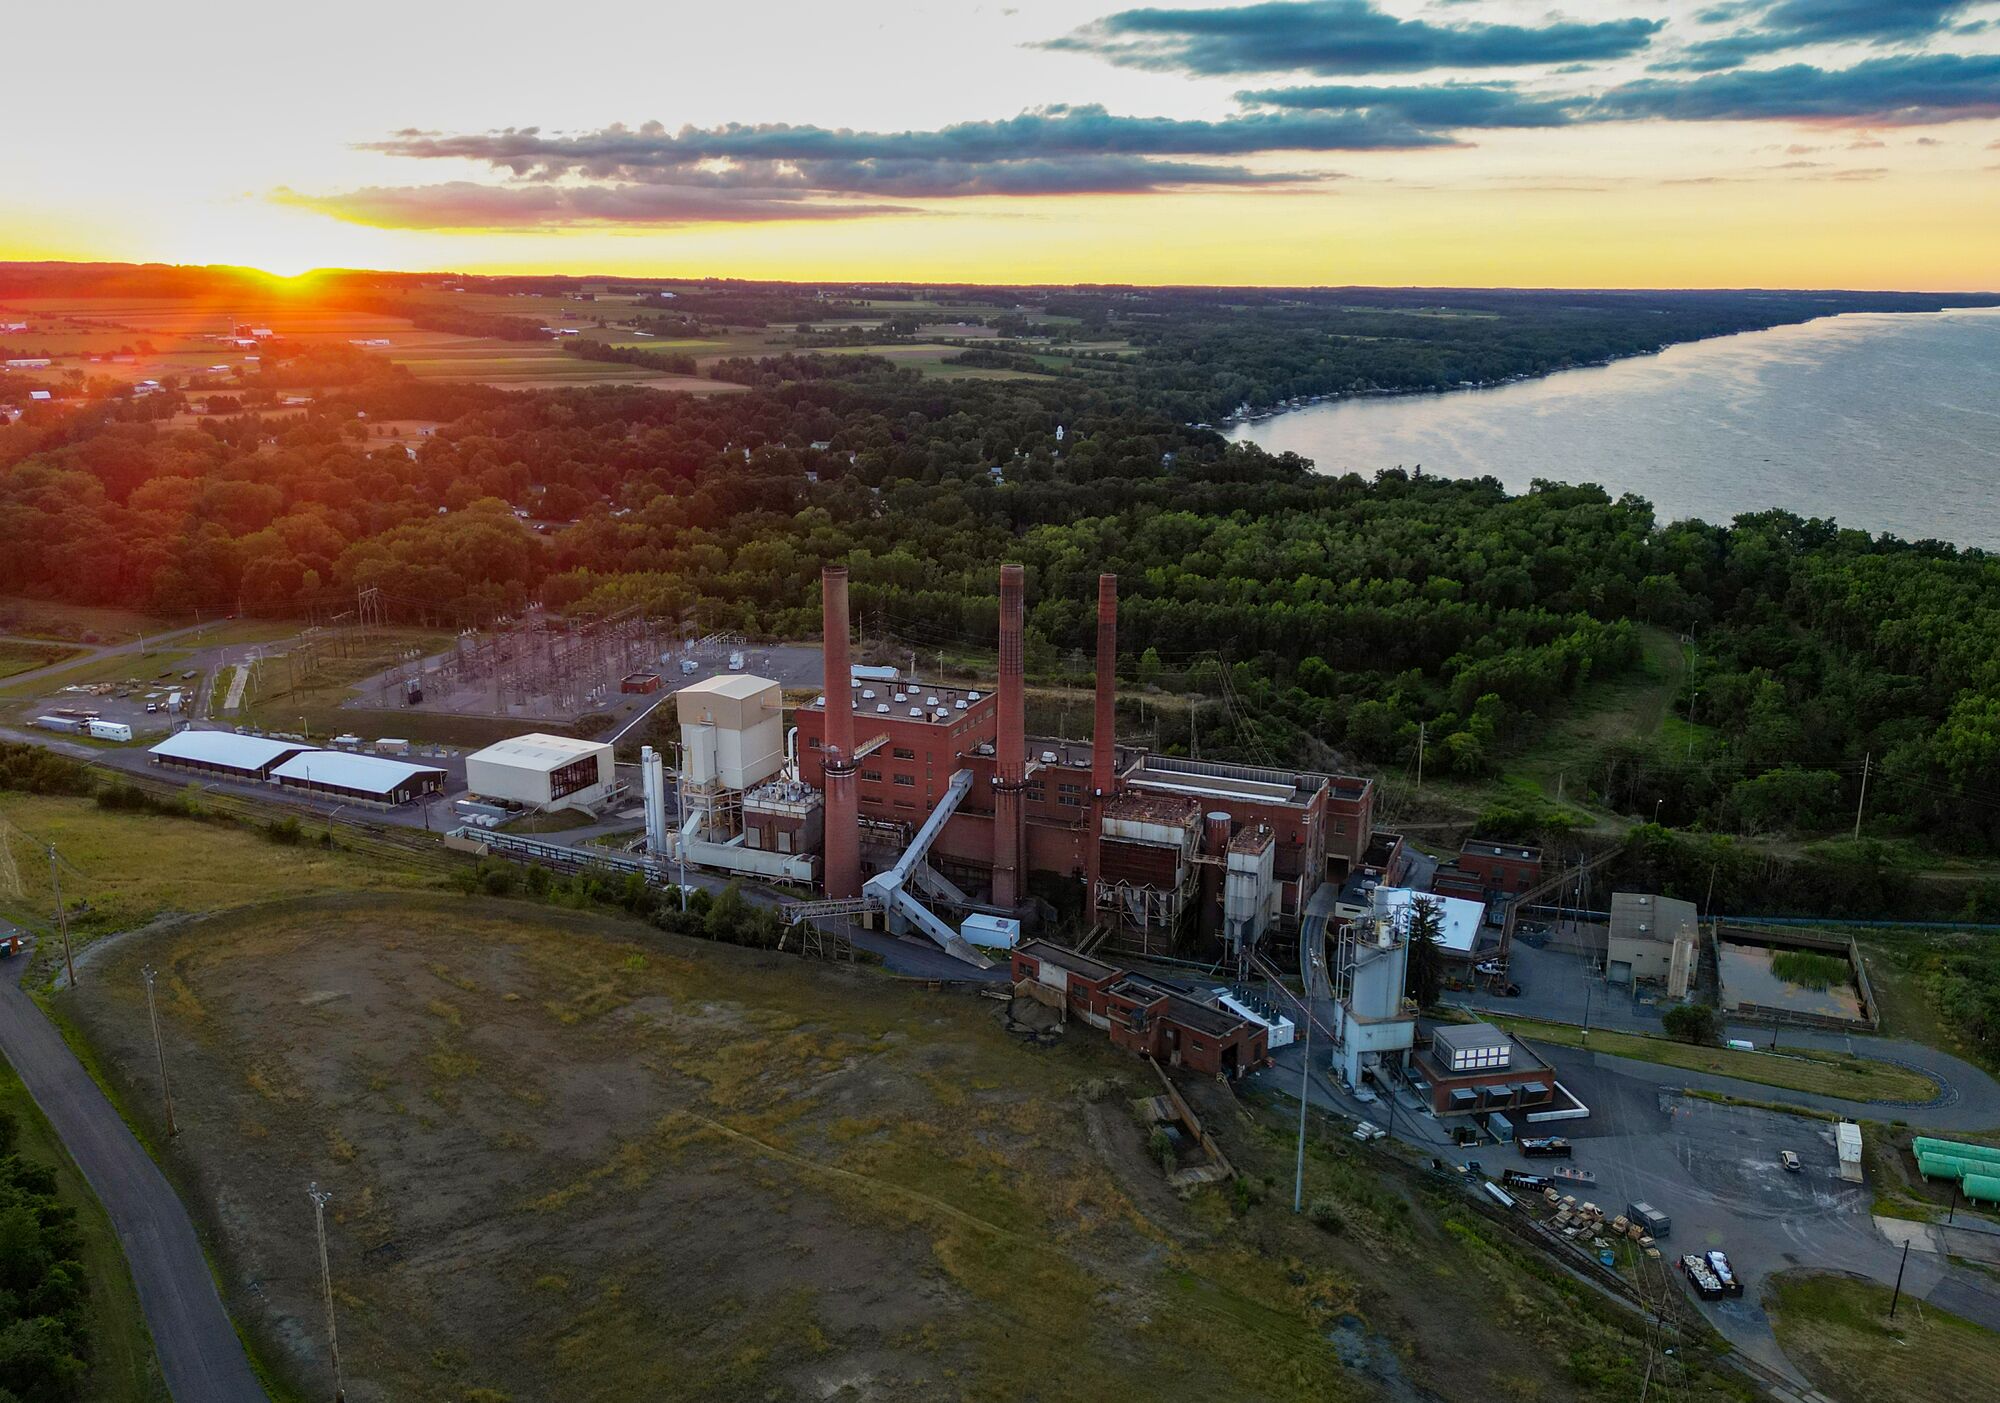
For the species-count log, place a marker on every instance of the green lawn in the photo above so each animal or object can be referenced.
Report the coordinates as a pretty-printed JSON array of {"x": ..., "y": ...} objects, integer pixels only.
[
  {"x": 1820, "y": 1073},
  {"x": 123, "y": 1369},
  {"x": 1838, "y": 1332}
]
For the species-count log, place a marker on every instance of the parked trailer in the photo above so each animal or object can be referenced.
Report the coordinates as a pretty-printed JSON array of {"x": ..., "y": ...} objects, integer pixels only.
[
  {"x": 1719, "y": 1265},
  {"x": 1545, "y": 1147},
  {"x": 108, "y": 730},
  {"x": 1522, "y": 1179},
  {"x": 1656, "y": 1223},
  {"x": 68, "y": 725}
]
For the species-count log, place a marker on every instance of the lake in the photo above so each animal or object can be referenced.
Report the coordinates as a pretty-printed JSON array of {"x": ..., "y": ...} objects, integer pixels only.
[{"x": 1885, "y": 421}]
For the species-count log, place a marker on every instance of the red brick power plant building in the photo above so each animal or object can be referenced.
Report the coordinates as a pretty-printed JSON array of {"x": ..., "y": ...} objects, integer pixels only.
[{"x": 939, "y": 789}]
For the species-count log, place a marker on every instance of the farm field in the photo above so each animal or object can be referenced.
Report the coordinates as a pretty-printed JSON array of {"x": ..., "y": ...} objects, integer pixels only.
[
  {"x": 1837, "y": 1330},
  {"x": 1820, "y": 1073},
  {"x": 679, "y": 1170}
]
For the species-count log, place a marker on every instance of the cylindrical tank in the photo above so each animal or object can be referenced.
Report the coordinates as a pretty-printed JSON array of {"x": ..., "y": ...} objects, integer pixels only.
[
  {"x": 1215, "y": 844},
  {"x": 1982, "y": 1188}
]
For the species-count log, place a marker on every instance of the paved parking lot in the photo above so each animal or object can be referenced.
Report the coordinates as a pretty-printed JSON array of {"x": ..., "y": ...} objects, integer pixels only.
[{"x": 1714, "y": 1170}]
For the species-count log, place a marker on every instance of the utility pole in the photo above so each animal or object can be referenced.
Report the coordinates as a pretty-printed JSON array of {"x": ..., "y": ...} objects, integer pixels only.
[
  {"x": 1899, "y": 1279},
  {"x": 1691, "y": 702},
  {"x": 1866, "y": 761},
  {"x": 320, "y": 1198},
  {"x": 1305, "y": 1086},
  {"x": 62, "y": 917},
  {"x": 160, "y": 1048},
  {"x": 1421, "y": 731}
]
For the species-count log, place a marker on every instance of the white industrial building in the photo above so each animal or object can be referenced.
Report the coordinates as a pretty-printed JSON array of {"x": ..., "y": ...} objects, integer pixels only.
[
  {"x": 224, "y": 754},
  {"x": 738, "y": 812},
  {"x": 1372, "y": 1020},
  {"x": 360, "y": 779},
  {"x": 543, "y": 772}
]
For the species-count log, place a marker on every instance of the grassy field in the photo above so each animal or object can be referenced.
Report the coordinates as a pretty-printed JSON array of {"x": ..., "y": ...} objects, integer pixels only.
[
  {"x": 127, "y": 869},
  {"x": 26, "y": 657},
  {"x": 1837, "y": 1330},
  {"x": 1818, "y": 1072},
  {"x": 72, "y": 623},
  {"x": 681, "y": 1170},
  {"x": 122, "y": 1367}
]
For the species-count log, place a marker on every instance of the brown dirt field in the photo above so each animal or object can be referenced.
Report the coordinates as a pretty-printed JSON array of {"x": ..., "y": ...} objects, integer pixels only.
[{"x": 574, "y": 1158}]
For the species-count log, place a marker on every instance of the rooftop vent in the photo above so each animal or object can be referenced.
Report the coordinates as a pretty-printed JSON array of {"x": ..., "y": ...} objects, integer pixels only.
[
  {"x": 881, "y": 708},
  {"x": 868, "y": 694},
  {"x": 819, "y": 701},
  {"x": 972, "y": 696},
  {"x": 917, "y": 711},
  {"x": 958, "y": 706}
]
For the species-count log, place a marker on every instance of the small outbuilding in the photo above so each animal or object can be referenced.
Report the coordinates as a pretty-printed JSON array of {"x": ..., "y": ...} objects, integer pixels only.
[{"x": 1653, "y": 939}]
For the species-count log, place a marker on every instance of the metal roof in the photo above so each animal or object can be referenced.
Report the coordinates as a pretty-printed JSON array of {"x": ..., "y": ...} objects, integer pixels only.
[
  {"x": 1637, "y": 916},
  {"x": 225, "y": 748},
  {"x": 1458, "y": 920},
  {"x": 738, "y": 686},
  {"x": 537, "y": 751},
  {"x": 344, "y": 771}
]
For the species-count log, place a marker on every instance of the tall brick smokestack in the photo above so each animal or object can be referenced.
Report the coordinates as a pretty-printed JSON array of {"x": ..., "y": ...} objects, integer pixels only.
[
  {"x": 1103, "y": 735},
  {"x": 1010, "y": 768},
  {"x": 843, "y": 813}
]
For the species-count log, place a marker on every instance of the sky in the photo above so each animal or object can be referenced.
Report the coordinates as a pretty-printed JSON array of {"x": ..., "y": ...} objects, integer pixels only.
[{"x": 1720, "y": 143}]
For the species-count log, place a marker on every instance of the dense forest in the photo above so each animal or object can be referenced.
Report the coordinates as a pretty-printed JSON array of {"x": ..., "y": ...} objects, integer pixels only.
[
  {"x": 44, "y": 1294},
  {"x": 1323, "y": 616}
]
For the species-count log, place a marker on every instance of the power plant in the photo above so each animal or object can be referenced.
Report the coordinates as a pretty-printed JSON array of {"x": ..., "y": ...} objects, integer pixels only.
[{"x": 927, "y": 805}]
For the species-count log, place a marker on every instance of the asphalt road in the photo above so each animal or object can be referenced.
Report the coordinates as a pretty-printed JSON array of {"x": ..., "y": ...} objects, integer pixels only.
[{"x": 199, "y": 1354}]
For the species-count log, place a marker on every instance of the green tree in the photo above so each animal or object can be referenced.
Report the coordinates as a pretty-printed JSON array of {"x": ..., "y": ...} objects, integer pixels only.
[
  {"x": 1424, "y": 976},
  {"x": 1692, "y": 1023}
]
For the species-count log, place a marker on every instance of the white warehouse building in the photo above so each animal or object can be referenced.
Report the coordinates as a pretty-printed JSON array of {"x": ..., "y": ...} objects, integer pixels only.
[{"x": 543, "y": 772}]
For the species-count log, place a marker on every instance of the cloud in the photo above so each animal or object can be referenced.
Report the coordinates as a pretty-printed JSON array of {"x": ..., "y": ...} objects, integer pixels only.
[
  {"x": 1794, "y": 24},
  {"x": 1040, "y": 134},
  {"x": 1902, "y": 90},
  {"x": 1340, "y": 37},
  {"x": 1445, "y": 106},
  {"x": 467, "y": 205}
]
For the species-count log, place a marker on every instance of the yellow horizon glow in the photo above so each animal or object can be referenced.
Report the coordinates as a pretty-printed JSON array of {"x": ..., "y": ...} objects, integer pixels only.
[{"x": 1920, "y": 231}]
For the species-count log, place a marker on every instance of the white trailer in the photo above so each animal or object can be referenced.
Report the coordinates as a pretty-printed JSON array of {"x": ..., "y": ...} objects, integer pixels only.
[{"x": 109, "y": 730}]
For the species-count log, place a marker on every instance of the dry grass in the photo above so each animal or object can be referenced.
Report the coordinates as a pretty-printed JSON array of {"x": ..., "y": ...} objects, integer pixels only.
[
  {"x": 1837, "y": 1329},
  {"x": 124, "y": 870},
  {"x": 1820, "y": 1073}
]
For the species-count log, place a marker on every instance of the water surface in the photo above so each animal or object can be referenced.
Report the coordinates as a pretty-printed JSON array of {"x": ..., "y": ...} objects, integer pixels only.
[{"x": 1882, "y": 420}]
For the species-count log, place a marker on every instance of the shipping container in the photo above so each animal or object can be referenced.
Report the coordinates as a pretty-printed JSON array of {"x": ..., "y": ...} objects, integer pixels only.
[{"x": 1656, "y": 1223}]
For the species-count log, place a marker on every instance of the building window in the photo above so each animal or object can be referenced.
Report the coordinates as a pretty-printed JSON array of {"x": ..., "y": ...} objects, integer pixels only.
[
  {"x": 813, "y": 743},
  {"x": 1072, "y": 801},
  {"x": 873, "y": 776},
  {"x": 907, "y": 781},
  {"x": 577, "y": 774},
  {"x": 903, "y": 752}
]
